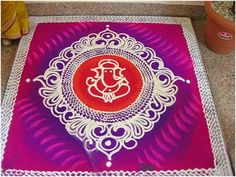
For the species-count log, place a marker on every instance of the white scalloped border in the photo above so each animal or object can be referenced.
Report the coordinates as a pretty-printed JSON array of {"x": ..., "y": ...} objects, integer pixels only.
[{"x": 221, "y": 160}]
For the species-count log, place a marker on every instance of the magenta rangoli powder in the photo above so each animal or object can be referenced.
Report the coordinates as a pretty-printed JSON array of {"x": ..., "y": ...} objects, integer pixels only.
[{"x": 112, "y": 95}]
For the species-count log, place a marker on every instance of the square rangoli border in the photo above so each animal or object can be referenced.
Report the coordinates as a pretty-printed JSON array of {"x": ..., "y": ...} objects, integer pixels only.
[{"x": 221, "y": 160}]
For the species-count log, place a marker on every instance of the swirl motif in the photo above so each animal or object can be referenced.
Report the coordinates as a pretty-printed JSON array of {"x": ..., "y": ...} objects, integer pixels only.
[{"x": 108, "y": 132}]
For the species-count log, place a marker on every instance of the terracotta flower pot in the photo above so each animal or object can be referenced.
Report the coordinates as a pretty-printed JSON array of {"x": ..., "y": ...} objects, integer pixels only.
[{"x": 219, "y": 32}]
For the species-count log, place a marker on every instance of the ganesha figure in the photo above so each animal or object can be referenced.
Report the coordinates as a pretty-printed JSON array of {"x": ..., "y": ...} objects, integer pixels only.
[{"x": 109, "y": 83}]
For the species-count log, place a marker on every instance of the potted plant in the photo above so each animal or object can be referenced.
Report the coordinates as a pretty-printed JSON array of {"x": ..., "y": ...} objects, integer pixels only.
[{"x": 220, "y": 29}]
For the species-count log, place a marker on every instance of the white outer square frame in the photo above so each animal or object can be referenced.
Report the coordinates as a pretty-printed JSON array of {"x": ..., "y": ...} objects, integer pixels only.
[{"x": 221, "y": 160}]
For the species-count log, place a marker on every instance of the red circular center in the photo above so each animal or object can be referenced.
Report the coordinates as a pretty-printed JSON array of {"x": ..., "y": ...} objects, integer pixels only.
[{"x": 107, "y": 83}]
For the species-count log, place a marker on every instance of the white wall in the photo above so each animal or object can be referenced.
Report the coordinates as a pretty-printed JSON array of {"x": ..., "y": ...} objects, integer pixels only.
[{"x": 183, "y": 2}]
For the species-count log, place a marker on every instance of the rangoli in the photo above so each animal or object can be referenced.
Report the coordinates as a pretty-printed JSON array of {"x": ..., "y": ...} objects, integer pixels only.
[{"x": 110, "y": 96}]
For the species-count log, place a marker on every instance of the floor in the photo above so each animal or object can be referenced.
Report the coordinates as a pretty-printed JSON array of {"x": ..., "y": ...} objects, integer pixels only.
[{"x": 220, "y": 68}]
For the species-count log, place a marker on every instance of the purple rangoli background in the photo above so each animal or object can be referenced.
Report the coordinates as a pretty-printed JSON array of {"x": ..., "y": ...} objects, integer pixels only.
[{"x": 38, "y": 141}]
